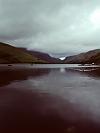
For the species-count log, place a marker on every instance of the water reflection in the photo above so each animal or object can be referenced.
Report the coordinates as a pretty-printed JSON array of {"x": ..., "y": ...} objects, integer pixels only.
[
  {"x": 24, "y": 110},
  {"x": 49, "y": 100},
  {"x": 90, "y": 72},
  {"x": 10, "y": 75},
  {"x": 62, "y": 70}
]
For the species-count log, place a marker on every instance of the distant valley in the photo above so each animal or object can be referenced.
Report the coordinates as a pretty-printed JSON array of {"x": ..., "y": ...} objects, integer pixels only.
[
  {"x": 42, "y": 56},
  {"x": 11, "y": 54}
]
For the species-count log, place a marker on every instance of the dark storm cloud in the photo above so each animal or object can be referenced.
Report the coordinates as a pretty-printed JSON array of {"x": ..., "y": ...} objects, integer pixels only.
[{"x": 54, "y": 26}]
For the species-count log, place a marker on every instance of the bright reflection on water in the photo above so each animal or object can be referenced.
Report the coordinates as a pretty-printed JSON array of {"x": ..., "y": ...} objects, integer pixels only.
[{"x": 65, "y": 99}]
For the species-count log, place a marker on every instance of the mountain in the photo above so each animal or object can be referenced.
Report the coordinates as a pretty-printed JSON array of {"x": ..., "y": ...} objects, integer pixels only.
[
  {"x": 89, "y": 57},
  {"x": 42, "y": 56},
  {"x": 10, "y": 54}
]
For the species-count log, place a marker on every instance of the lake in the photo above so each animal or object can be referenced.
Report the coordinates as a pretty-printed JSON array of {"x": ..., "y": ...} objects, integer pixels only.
[{"x": 50, "y": 98}]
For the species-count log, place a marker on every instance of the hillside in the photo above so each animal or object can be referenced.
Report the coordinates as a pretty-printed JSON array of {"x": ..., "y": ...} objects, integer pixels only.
[
  {"x": 89, "y": 57},
  {"x": 10, "y": 54},
  {"x": 42, "y": 56}
]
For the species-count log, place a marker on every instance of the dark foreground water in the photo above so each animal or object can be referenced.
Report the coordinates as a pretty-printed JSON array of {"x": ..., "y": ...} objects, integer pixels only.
[{"x": 49, "y": 99}]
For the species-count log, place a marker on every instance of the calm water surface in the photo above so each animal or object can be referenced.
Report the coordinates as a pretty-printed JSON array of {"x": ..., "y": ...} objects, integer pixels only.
[{"x": 50, "y": 98}]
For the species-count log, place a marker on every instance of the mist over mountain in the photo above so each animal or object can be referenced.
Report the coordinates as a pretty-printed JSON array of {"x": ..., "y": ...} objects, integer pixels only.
[
  {"x": 11, "y": 54},
  {"x": 43, "y": 56}
]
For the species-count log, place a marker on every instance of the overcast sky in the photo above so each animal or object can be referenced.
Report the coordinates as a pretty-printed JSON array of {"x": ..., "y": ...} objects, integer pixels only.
[{"x": 54, "y": 26}]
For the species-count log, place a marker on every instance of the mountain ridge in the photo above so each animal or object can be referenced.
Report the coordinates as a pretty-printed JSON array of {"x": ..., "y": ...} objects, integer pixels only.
[
  {"x": 43, "y": 56},
  {"x": 11, "y": 54},
  {"x": 92, "y": 56}
]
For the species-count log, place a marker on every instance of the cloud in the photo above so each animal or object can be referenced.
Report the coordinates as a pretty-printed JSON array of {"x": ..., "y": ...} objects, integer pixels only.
[{"x": 54, "y": 26}]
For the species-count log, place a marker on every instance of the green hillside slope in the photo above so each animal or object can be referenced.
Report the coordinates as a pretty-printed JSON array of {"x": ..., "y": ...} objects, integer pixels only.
[{"x": 10, "y": 54}]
